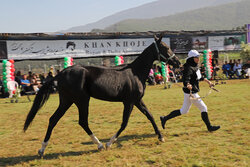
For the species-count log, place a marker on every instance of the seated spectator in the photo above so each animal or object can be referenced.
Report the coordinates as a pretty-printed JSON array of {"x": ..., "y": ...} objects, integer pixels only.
[
  {"x": 237, "y": 69},
  {"x": 30, "y": 76},
  {"x": 36, "y": 84},
  {"x": 151, "y": 78},
  {"x": 26, "y": 85},
  {"x": 226, "y": 68},
  {"x": 158, "y": 77}
]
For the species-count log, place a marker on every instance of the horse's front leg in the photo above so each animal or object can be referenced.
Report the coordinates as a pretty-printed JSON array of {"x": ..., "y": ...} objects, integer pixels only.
[
  {"x": 128, "y": 107},
  {"x": 142, "y": 107}
]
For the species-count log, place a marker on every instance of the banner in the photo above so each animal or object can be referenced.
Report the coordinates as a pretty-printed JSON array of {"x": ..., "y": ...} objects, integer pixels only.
[
  {"x": 229, "y": 42},
  {"x": 50, "y": 49},
  {"x": 248, "y": 33},
  {"x": 181, "y": 44},
  {"x": 3, "y": 50},
  {"x": 199, "y": 43}
]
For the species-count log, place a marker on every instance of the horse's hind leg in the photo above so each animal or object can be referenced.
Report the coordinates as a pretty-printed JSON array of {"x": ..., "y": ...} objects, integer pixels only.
[
  {"x": 62, "y": 108},
  {"x": 126, "y": 114},
  {"x": 142, "y": 107},
  {"x": 83, "y": 107}
]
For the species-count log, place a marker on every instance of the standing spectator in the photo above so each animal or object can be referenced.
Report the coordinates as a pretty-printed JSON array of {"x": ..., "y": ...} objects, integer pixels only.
[
  {"x": 42, "y": 78},
  {"x": 203, "y": 71},
  {"x": 18, "y": 77}
]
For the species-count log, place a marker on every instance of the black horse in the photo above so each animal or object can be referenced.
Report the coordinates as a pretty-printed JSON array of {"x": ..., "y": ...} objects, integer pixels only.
[{"x": 125, "y": 83}]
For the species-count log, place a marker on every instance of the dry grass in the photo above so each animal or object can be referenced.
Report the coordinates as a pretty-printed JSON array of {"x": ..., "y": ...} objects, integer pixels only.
[{"x": 187, "y": 141}]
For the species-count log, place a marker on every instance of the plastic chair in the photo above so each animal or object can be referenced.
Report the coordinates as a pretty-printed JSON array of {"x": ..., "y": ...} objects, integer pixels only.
[{"x": 12, "y": 87}]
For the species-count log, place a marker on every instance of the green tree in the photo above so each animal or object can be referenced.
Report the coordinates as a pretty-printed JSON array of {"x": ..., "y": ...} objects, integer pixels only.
[{"x": 245, "y": 52}]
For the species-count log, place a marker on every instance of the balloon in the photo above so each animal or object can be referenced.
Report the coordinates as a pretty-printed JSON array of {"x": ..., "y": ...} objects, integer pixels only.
[
  {"x": 66, "y": 58},
  {"x": 5, "y": 82},
  {"x": 6, "y": 89},
  {"x": 8, "y": 64},
  {"x": 5, "y": 61},
  {"x": 11, "y": 61},
  {"x": 4, "y": 73}
]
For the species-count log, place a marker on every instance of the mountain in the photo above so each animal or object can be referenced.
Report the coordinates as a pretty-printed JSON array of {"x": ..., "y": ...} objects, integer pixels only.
[
  {"x": 154, "y": 9},
  {"x": 223, "y": 17}
]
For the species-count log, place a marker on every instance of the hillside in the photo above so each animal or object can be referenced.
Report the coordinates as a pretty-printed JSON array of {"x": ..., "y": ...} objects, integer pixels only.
[
  {"x": 151, "y": 10},
  {"x": 223, "y": 17}
]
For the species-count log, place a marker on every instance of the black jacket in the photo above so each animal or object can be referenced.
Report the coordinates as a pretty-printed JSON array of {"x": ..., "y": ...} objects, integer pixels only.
[{"x": 190, "y": 76}]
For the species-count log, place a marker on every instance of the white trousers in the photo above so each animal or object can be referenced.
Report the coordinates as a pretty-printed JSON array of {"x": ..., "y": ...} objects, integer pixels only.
[{"x": 187, "y": 103}]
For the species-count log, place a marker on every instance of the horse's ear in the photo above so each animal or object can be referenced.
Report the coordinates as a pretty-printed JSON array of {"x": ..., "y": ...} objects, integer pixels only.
[
  {"x": 155, "y": 37},
  {"x": 161, "y": 36},
  {"x": 158, "y": 39}
]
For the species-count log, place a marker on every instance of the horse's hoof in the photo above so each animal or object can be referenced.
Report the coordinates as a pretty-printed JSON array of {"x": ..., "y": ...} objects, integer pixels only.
[
  {"x": 108, "y": 146},
  {"x": 162, "y": 139},
  {"x": 40, "y": 153},
  {"x": 100, "y": 148}
]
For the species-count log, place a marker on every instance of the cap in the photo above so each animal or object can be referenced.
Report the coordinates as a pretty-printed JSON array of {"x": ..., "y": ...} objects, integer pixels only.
[{"x": 193, "y": 53}]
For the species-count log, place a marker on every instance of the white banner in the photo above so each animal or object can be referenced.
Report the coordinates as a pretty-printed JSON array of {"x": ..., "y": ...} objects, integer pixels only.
[
  {"x": 229, "y": 42},
  {"x": 50, "y": 49},
  {"x": 216, "y": 43}
]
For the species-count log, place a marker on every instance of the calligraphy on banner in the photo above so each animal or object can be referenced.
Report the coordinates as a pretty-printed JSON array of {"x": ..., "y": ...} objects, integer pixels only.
[{"x": 182, "y": 44}]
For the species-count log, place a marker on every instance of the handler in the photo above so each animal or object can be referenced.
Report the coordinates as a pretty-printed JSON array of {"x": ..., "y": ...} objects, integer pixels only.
[{"x": 191, "y": 77}]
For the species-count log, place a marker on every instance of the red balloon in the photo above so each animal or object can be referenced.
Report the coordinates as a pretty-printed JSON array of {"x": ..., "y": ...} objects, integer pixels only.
[{"x": 11, "y": 61}]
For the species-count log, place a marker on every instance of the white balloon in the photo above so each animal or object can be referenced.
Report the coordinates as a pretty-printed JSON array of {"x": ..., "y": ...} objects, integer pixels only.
[{"x": 8, "y": 64}]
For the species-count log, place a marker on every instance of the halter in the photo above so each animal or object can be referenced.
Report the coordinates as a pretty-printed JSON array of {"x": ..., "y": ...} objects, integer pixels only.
[{"x": 160, "y": 55}]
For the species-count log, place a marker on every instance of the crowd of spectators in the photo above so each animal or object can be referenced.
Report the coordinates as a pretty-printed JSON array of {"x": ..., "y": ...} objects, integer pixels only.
[
  {"x": 156, "y": 77},
  {"x": 234, "y": 69},
  {"x": 231, "y": 70},
  {"x": 29, "y": 83}
]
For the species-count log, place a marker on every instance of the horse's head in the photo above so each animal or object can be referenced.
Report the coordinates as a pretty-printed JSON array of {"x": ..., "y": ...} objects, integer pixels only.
[{"x": 165, "y": 54}]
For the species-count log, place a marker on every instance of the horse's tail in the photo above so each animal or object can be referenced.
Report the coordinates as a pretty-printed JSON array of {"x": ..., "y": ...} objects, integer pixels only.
[{"x": 41, "y": 97}]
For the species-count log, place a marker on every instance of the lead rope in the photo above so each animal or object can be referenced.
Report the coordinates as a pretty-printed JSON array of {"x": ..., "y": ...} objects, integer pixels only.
[{"x": 202, "y": 97}]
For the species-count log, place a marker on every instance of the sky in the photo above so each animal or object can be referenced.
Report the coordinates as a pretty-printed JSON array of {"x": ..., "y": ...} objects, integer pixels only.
[{"x": 30, "y": 16}]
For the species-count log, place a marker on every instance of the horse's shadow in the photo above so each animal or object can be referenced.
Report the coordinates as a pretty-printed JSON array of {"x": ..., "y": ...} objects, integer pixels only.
[{"x": 10, "y": 161}]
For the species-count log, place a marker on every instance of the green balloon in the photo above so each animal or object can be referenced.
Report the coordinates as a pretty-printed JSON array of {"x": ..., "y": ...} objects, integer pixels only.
[
  {"x": 6, "y": 89},
  {"x": 5, "y": 61},
  {"x": 205, "y": 51},
  {"x": 65, "y": 66},
  {"x": 4, "y": 73},
  {"x": 66, "y": 58}
]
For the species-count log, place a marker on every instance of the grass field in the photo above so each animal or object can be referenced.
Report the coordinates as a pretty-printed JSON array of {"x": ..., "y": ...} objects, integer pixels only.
[{"x": 187, "y": 141}]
